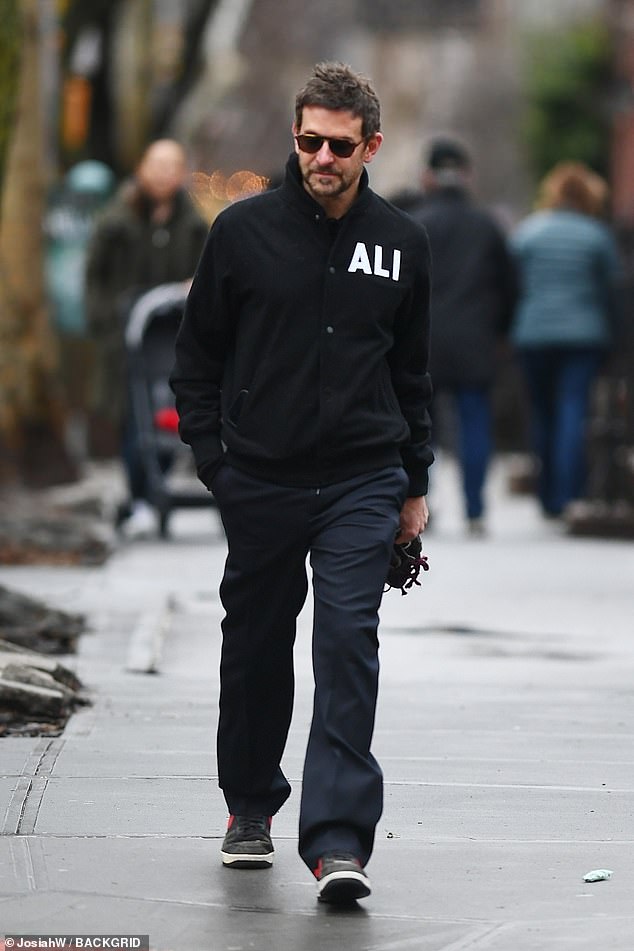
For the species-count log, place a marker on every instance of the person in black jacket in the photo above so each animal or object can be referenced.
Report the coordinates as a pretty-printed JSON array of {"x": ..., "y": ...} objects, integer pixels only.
[
  {"x": 150, "y": 234},
  {"x": 473, "y": 296},
  {"x": 302, "y": 387}
]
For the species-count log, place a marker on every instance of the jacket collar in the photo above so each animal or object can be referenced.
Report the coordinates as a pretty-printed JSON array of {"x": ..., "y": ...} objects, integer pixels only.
[{"x": 293, "y": 191}]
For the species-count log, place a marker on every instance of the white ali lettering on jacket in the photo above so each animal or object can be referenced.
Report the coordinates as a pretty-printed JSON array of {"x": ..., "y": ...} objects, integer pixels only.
[{"x": 360, "y": 261}]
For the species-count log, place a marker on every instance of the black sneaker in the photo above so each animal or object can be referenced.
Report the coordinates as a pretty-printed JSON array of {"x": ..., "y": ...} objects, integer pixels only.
[
  {"x": 247, "y": 843},
  {"x": 340, "y": 878}
]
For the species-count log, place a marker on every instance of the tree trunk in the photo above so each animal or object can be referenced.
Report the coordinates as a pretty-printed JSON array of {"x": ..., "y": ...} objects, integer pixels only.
[
  {"x": 31, "y": 412},
  {"x": 132, "y": 79},
  {"x": 10, "y": 37}
]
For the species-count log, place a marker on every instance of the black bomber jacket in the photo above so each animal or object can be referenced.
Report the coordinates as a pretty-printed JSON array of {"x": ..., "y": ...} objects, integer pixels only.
[{"x": 302, "y": 355}]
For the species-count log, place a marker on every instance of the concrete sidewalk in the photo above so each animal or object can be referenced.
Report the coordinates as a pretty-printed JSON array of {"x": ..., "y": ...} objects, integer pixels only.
[{"x": 505, "y": 731}]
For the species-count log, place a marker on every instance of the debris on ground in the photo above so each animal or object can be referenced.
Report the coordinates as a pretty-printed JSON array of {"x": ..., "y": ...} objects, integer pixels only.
[
  {"x": 598, "y": 875},
  {"x": 51, "y": 538},
  {"x": 37, "y": 692},
  {"x": 68, "y": 526},
  {"x": 31, "y": 623}
]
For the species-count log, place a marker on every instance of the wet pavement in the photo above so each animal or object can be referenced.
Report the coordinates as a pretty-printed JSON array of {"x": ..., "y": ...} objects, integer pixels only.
[{"x": 505, "y": 730}]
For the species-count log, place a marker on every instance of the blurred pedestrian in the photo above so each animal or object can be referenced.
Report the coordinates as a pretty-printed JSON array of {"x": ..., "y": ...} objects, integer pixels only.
[
  {"x": 151, "y": 234},
  {"x": 563, "y": 328},
  {"x": 473, "y": 295},
  {"x": 301, "y": 383},
  {"x": 74, "y": 207}
]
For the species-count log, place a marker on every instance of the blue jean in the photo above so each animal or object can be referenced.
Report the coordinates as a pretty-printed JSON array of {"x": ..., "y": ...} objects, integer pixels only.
[
  {"x": 348, "y": 529},
  {"x": 135, "y": 461},
  {"x": 475, "y": 442},
  {"x": 559, "y": 380}
]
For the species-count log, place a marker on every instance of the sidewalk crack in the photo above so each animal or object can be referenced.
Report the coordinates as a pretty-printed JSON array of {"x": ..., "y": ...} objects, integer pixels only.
[{"x": 25, "y": 802}]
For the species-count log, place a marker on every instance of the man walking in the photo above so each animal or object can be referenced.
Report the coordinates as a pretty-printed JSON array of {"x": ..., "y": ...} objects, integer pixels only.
[
  {"x": 151, "y": 234},
  {"x": 302, "y": 387},
  {"x": 472, "y": 306}
]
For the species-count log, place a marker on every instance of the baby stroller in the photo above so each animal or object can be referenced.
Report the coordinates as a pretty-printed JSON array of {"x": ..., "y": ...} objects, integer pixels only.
[{"x": 149, "y": 340}]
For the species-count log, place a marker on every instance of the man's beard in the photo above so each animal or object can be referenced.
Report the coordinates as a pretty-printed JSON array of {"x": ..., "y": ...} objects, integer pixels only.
[{"x": 334, "y": 185}]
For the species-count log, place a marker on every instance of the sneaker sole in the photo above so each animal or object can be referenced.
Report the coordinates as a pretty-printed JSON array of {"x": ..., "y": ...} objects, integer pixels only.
[
  {"x": 340, "y": 888},
  {"x": 237, "y": 860}
]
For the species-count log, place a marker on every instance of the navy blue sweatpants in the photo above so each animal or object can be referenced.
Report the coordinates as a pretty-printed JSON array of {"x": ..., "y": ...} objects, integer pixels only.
[{"x": 348, "y": 530}]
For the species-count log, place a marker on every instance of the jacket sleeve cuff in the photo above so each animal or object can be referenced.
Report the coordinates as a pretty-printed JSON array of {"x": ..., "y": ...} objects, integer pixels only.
[
  {"x": 418, "y": 485},
  {"x": 207, "y": 471},
  {"x": 208, "y": 456}
]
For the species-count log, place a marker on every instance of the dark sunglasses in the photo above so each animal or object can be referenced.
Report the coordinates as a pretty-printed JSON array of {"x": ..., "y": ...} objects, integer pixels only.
[{"x": 342, "y": 148}]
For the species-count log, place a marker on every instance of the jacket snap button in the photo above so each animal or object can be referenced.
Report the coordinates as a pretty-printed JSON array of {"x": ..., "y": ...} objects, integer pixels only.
[{"x": 330, "y": 330}]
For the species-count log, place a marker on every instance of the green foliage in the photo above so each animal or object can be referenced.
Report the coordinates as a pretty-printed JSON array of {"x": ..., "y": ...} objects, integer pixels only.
[
  {"x": 567, "y": 82},
  {"x": 10, "y": 45}
]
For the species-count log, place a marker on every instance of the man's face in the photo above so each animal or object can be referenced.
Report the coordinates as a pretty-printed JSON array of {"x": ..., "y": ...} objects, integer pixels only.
[
  {"x": 163, "y": 170},
  {"x": 333, "y": 181}
]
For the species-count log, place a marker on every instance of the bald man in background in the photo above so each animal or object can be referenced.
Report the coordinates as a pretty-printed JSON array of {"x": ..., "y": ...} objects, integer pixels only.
[{"x": 151, "y": 234}]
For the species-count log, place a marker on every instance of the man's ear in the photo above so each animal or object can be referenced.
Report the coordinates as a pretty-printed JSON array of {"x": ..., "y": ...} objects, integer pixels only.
[
  {"x": 372, "y": 146},
  {"x": 295, "y": 130}
]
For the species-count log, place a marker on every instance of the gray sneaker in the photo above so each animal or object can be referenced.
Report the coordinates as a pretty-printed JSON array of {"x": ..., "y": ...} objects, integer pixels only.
[
  {"x": 341, "y": 879},
  {"x": 247, "y": 843}
]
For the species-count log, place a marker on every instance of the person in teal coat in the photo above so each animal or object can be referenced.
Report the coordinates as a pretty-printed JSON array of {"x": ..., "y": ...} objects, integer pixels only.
[{"x": 563, "y": 326}]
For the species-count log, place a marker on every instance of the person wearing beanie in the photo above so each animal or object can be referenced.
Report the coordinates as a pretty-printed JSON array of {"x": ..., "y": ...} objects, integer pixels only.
[{"x": 473, "y": 295}]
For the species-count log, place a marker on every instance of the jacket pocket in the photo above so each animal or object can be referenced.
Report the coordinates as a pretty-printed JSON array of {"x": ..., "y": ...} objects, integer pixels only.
[
  {"x": 236, "y": 408},
  {"x": 388, "y": 396}
]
